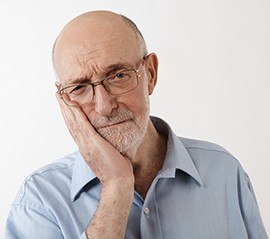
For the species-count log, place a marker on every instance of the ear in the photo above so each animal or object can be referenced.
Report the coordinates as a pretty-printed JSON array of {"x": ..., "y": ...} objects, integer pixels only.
[{"x": 151, "y": 63}]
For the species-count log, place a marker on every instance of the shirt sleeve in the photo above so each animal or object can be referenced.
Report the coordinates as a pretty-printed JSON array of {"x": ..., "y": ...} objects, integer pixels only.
[
  {"x": 26, "y": 222},
  {"x": 250, "y": 210}
]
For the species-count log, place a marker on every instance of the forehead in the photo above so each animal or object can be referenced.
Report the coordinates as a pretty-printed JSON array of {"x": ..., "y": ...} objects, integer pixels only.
[
  {"x": 91, "y": 52},
  {"x": 95, "y": 63}
]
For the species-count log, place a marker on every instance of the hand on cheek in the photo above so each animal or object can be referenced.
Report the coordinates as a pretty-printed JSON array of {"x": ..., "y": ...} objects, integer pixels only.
[{"x": 103, "y": 159}]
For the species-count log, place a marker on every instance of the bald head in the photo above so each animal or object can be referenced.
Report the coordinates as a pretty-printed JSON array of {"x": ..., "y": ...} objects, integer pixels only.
[{"x": 96, "y": 28}]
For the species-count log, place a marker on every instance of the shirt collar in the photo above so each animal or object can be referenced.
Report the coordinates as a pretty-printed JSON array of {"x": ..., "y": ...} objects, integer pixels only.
[
  {"x": 81, "y": 175},
  {"x": 177, "y": 157}
]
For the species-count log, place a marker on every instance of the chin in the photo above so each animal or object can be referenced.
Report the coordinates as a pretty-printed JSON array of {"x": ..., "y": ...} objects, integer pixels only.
[{"x": 126, "y": 137}]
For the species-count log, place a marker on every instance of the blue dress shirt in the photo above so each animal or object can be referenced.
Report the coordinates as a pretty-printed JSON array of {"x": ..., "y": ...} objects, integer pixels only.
[{"x": 201, "y": 192}]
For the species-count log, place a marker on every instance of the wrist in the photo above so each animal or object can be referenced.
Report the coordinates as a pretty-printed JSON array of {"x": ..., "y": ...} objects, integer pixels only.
[{"x": 119, "y": 188}]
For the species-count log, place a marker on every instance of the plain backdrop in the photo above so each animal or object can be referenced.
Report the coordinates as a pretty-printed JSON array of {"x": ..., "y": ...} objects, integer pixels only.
[{"x": 214, "y": 81}]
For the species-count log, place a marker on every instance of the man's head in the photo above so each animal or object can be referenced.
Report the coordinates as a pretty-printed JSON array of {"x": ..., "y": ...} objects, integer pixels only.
[{"x": 95, "y": 45}]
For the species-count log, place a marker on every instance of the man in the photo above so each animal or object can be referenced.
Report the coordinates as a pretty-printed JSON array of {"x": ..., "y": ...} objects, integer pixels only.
[{"x": 132, "y": 177}]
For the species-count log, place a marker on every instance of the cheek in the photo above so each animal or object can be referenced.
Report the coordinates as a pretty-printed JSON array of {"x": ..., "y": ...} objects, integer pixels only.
[
  {"x": 90, "y": 112},
  {"x": 138, "y": 101}
]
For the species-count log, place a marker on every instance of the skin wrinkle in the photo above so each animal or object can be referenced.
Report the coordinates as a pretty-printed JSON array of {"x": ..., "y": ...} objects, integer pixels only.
[
  {"x": 87, "y": 59},
  {"x": 89, "y": 66},
  {"x": 121, "y": 136},
  {"x": 85, "y": 69},
  {"x": 125, "y": 137},
  {"x": 96, "y": 68},
  {"x": 102, "y": 72},
  {"x": 140, "y": 39},
  {"x": 66, "y": 74},
  {"x": 135, "y": 138}
]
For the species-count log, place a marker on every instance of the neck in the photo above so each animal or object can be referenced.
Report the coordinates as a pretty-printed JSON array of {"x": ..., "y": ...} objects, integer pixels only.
[{"x": 149, "y": 159}]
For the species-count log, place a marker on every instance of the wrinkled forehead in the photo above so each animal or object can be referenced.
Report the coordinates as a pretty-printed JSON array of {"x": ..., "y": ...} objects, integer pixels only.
[{"x": 87, "y": 50}]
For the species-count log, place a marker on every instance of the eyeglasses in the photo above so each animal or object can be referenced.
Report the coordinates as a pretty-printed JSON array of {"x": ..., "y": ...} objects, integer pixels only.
[{"x": 121, "y": 82}]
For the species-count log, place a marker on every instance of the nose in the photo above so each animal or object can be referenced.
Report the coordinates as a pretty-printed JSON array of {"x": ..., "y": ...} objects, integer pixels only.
[{"x": 104, "y": 101}]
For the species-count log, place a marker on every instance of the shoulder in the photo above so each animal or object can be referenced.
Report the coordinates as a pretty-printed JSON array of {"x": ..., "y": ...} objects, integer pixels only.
[
  {"x": 195, "y": 144},
  {"x": 212, "y": 158},
  {"x": 216, "y": 165},
  {"x": 46, "y": 180}
]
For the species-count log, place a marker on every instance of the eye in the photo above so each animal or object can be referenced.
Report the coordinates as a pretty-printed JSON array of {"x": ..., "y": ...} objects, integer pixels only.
[
  {"x": 77, "y": 90},
  {"x": 120, "y": 75}
]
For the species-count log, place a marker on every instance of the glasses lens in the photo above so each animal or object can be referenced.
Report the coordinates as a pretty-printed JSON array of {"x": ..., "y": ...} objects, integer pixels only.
[
  {"x": 122, "y": 82},
  {"x": 82, "y": 94}
]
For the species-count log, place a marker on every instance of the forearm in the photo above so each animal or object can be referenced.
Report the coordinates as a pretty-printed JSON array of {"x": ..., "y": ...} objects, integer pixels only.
[{"x": 111, "y": 217}]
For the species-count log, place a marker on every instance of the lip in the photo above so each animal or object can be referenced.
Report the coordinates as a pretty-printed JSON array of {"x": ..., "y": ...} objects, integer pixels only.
[{"x": 111, "y": 125}]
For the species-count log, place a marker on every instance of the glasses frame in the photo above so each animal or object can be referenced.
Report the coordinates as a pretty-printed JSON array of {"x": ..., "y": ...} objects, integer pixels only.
[{"x": 101, "y": 82}]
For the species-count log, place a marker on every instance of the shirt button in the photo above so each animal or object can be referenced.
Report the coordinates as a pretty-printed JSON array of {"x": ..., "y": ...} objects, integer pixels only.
[{"x": 146, "y": 211}]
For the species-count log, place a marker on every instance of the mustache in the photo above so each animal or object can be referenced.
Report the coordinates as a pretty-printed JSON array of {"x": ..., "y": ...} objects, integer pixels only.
[{"x": 118, "y": 115}]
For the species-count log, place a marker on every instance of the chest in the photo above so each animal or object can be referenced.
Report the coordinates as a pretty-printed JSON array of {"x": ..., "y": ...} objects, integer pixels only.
[{"x": 171, "y": 209}]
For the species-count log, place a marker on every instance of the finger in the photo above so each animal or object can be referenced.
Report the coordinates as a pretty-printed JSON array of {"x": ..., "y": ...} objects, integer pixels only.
[
  {"x": 74, "y": 114},
  {"x": 64, "y": 108},
  {"x": 77, "y": 110},
  {"x": 62, "y": 98},
  {"x": 83, "y": 120},
  {"x": 68, "y": 116},
  {"x": 67, "y": 109}
]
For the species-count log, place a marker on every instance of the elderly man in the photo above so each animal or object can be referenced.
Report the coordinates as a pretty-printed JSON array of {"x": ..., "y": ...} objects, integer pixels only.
[{"x": 132, "y": 177}]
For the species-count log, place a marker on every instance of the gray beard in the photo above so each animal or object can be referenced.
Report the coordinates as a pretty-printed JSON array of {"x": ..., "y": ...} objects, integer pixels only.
[{"x": 125, "y": 137}]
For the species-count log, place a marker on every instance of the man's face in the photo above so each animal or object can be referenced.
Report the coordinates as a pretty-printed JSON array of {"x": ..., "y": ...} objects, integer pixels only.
[{"x": 93, "y": 52}]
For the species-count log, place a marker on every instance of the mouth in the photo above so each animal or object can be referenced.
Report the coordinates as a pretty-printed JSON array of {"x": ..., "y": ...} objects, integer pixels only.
[{"x": 115, "y": 124}]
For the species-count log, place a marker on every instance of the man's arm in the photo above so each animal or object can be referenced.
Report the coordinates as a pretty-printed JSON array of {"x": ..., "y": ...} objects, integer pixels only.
[
  {"x": 113, "y": 170},
  {"x": 110, "y": 219},
  {"x": 30, "y": 221},
  {"x": 250, "y": 209}
]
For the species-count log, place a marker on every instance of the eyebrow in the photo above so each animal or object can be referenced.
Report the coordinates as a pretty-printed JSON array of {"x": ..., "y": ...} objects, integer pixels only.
[{"x": 109, "y": 70}]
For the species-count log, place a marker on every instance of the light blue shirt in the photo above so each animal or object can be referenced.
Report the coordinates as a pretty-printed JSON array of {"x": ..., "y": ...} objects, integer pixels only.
[{"x": 201, "y": 192}]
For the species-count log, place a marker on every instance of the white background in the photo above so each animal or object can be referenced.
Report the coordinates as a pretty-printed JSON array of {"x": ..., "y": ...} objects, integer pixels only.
[{"x": 214, "y": 80}]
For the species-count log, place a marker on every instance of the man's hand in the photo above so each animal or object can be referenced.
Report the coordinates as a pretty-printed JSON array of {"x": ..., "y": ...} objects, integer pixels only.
[
  {"x": 113, "y": 170},
  {"x": 103, "y": 159}
]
